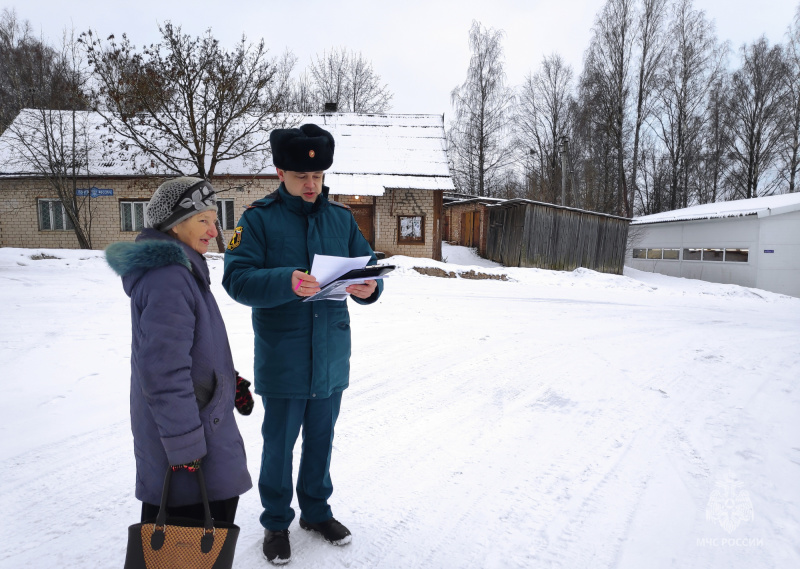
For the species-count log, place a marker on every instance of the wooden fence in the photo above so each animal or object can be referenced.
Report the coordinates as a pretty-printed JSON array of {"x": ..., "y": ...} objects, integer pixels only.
[{"x": 524, "y": 233}]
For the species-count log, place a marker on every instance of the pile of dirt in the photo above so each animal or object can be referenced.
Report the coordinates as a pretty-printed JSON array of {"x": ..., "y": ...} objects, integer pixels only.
[{"x": 436, "y": 272}]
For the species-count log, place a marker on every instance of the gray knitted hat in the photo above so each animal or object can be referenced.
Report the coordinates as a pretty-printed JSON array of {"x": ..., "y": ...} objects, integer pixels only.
[{"x": 179, "y": 199}]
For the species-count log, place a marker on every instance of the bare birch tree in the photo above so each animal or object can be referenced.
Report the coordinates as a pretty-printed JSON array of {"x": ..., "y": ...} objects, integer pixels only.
[
  {"x": 693, "y": 63},
  {"x": 482, "y": 107},
  {"x": 790, "y": 147},
  {"x": 542, "y": 117},
  {"x": 347, "y": 79},
  {"x": 54, "y": 144},
  {"x": 302, "y": 98},
  {"x": 329, "y": 74},
  {"x": 607, "y": 74},
  {"x": 594, "y": 144},
  {"x": 366, "y": 94},
  {"x": 650, "y": 46},
  {"x": 756, "y": 109},
  {"x": 712, "y": 168}
]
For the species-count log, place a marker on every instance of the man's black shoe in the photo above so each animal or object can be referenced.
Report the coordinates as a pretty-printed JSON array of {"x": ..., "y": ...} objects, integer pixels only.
[
  {"x": 331, "y": 530},
  {"x": 276, "y": 546}
]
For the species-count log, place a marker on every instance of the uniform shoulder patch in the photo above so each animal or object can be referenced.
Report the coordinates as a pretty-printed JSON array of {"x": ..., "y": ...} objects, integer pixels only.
[
  {"x": 266, "y": 201},
  {"x": 345, "y": 206},
  {"x": 263, "y": 202},
  {"x": 236, "y": 240}
]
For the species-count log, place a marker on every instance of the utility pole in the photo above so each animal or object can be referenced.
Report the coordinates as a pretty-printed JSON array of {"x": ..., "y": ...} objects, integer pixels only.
[{"x": 564, "y": 169}]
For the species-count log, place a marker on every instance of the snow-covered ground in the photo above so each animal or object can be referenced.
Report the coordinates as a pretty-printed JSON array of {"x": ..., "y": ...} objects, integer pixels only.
[{"x": 556, "y": 419}]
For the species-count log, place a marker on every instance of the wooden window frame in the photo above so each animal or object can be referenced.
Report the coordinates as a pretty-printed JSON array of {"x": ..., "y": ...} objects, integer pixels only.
[{"x": 406, "y": 241}]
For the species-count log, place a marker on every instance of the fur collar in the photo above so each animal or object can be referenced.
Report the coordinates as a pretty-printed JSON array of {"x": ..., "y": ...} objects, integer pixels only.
[{"x": 126, "y": 257}]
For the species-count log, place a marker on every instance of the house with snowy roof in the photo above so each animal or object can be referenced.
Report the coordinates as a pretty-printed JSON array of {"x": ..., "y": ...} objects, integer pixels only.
[
  {"x": 390, "y": 169},
  {"x": 753, "y": 242}
]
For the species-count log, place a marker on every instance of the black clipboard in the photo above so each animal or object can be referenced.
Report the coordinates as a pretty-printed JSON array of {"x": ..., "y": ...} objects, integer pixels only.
[
  {"x": 370, "y": 272},
  {"x": 337, "y": 285}
]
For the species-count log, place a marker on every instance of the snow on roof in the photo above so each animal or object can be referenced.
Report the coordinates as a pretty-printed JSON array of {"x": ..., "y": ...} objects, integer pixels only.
[
  {"x": 376, "y": 184},
  {"x": 373, "y": 152},
  {"x": 377, "y": 152},
  {"x": 481, "y": 200},
  {"x": 770, "y": 205},
  {"x": 519, "y": 201}
]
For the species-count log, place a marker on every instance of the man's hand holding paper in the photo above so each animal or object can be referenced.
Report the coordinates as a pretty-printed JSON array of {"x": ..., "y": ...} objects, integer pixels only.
[
  {"x": 362, "y": 290},
  {"x": 331, "y": 276}
]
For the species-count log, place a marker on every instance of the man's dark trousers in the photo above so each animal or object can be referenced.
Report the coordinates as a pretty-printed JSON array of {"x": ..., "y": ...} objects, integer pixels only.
[{"x": 283, "y": 419}]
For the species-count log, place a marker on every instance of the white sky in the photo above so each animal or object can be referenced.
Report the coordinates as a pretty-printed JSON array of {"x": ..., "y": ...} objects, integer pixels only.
[{"x": 418, "y": 47}]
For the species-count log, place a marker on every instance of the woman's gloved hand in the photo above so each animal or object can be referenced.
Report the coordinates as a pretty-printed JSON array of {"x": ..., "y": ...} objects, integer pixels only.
[
  {"x": 244, "y": 399},
  {"x": 190, "y": 466}
]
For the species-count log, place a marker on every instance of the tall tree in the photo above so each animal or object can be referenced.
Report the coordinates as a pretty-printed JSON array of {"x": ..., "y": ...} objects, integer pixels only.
[
  {"x": 302, "y": 98},
  {"x": 756, "y": 109},
  {"x": 347, "y": 79},
  {"x": 653, "y": 192},
  {"x": 186, "y": 105},
  {"x": 712, "y": 168},
  {"x": 649, "y": 48},
  {"x": 693, "y": 63},
  {"x": 32, "y": 73},
  {"x": 482, "y": 108},
  {"x": 54, "y": 144},
  {"x": 608, "y": 62},
  {"x": 542, "y": 117},
  {"x": 790, "y": 148},
  {"x": 329, "y": 74},
  {"x": 366, "y": 94}
]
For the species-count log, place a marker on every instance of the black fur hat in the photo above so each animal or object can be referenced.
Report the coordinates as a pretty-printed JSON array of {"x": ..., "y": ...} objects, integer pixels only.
[{"x": 305, "y": 149}]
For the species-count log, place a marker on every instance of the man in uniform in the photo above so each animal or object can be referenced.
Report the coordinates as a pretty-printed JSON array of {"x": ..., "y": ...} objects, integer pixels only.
[{"x": 302, "y": 349}]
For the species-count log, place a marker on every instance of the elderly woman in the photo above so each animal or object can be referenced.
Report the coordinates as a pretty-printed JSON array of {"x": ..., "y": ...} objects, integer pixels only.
[{"x": 183, "y": 383}]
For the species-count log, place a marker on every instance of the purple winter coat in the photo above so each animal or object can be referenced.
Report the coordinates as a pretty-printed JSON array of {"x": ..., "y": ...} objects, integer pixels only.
[{"x": 183, "y": 382}]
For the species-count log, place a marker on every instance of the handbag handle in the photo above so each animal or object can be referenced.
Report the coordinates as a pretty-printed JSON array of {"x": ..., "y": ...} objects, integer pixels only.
[{"x": 159, "y": 529}]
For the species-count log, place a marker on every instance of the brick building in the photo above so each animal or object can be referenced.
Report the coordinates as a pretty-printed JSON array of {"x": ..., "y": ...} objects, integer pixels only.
[
  {"x": 390, "y": 169},
  {"x": 466, "y": 221}
]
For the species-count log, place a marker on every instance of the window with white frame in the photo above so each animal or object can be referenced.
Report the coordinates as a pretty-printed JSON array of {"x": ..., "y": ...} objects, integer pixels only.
[
  {"x": 131, "y": 215},
  {"x": 53, "y": 217},
  {"x": 225, "y": 214}
]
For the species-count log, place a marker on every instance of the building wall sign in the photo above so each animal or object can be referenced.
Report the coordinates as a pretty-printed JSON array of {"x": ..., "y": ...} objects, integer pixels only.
[{"x": 94, "y": 192}]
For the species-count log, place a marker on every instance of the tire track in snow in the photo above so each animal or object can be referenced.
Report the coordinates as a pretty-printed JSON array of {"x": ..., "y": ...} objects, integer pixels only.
[{"x": 64, "y": 490}]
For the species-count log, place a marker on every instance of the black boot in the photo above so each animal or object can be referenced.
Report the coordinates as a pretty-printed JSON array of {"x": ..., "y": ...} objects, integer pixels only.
[
  {"x": 277, "y": 549},
  {"x": 331, "y": 530}
]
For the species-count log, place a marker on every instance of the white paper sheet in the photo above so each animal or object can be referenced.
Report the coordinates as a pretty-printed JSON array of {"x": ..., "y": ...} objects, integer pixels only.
[{"x": 327, "y": 267}]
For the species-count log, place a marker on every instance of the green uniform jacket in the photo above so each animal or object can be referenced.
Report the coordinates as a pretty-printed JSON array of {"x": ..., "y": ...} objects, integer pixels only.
[{"x": 302, "y": 349}]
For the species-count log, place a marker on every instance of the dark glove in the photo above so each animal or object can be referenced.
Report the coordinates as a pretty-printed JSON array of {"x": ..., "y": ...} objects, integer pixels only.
[
  {"x": 190, "y": 466},
  {"x": 244, "y": 399}
]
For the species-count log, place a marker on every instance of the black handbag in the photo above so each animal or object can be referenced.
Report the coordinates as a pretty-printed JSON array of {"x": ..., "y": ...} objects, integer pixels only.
[{"x": 173, "y": 543}]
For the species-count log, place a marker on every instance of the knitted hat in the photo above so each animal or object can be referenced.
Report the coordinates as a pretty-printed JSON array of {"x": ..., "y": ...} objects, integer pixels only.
[
  {"x": 305, "y": 149},
  {"x": 178, "y": 199}
]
